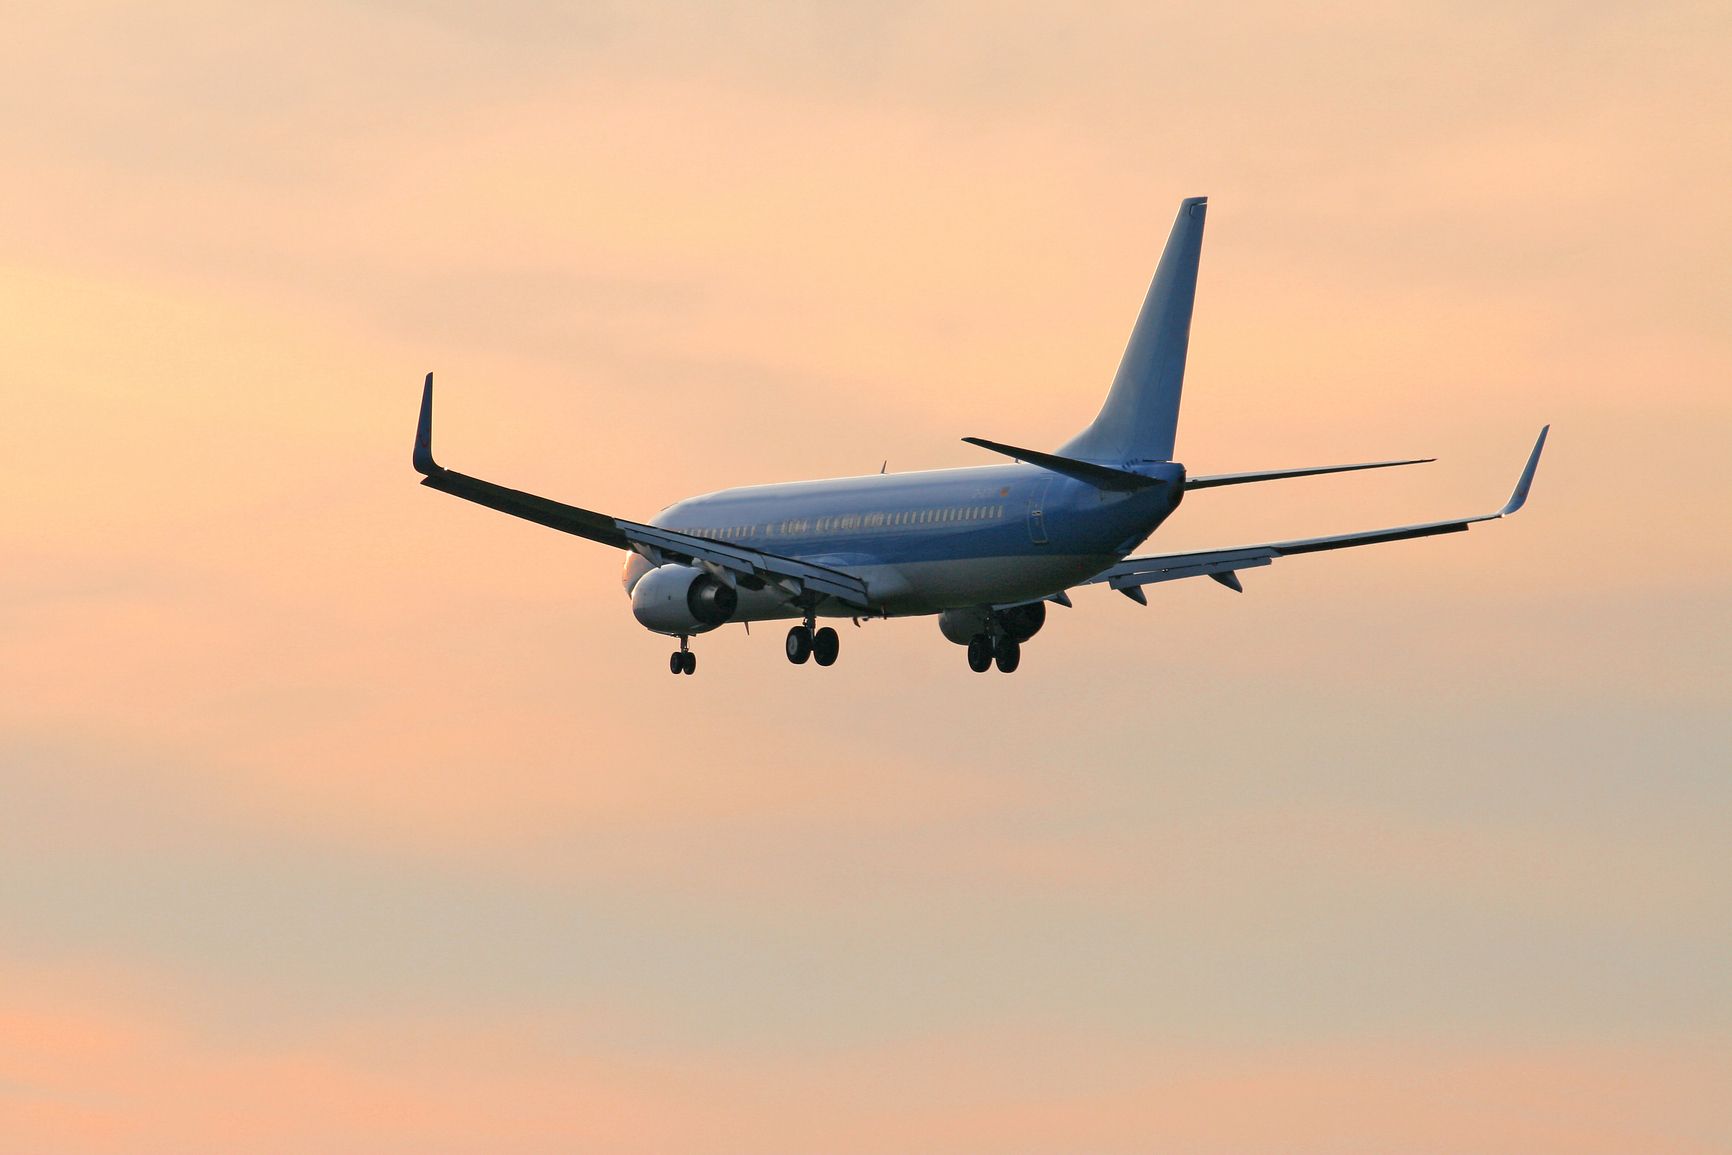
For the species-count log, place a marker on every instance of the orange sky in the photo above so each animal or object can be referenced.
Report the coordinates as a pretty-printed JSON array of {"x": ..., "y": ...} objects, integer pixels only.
[{"x": 337, "y": 815}]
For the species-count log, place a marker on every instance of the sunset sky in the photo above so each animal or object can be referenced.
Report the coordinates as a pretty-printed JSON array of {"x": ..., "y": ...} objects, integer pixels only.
[{"x": 340, "y": 816}]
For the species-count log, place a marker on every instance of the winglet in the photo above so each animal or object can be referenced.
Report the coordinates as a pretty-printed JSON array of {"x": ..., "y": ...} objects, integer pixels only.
[
  {"x": 1518, "y": 498},
  {"x": 424, "y": 463}
]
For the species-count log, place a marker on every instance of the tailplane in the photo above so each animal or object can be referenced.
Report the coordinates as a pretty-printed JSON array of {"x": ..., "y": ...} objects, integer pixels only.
[{"x": 1141, "y": 414}]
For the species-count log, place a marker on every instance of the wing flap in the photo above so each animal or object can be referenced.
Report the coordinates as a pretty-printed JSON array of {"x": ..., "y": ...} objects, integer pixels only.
[
  {"x": 1149, "y": 570},
  {"x": 662, "y": 544}
]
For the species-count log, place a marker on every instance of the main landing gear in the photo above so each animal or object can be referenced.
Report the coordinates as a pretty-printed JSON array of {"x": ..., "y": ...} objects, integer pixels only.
[
  {"x": 683, "y": 661},
  {"x": 994, "y": 637},
  {"x": 985, "y": 649},
  {"x": 821, "y": 646}
]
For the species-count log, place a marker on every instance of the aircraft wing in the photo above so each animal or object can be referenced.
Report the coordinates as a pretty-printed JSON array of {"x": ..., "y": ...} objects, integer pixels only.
[
  {"x": 751, "y": 568},
  {"x": 1130, "y": 575}
]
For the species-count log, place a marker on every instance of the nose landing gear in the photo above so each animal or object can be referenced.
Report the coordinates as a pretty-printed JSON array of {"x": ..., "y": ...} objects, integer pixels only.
[{"x": 682, "y": 660}]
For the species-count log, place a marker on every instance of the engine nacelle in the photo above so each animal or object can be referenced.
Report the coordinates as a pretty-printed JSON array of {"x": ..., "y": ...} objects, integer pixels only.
[
  {"x": 682, "y": 599},
  {"x": 961, "y": 625},
  {"x": 1019, "y": 622},
  {"x": 1023, "y": 622}
]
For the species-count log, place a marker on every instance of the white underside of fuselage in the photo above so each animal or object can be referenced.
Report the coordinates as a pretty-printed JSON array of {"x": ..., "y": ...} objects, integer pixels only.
[{"x": 930, "y": 587}]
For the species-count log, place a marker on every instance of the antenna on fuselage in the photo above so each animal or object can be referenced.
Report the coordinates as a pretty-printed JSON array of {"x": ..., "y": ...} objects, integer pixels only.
[{"x": 885, "y": 466}]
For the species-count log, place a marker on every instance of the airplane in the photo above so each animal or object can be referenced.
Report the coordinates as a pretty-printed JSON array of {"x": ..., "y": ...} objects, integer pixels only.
[{"x": 984, "y": 548}]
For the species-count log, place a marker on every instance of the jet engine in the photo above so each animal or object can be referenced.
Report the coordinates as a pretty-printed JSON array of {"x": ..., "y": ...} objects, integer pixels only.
[
  {"x": 961, "y": 625},
  {"x": 1023, "y": 622},
  {"x": 682, "y": 599},
  {"x": 1019, "y": 622}
]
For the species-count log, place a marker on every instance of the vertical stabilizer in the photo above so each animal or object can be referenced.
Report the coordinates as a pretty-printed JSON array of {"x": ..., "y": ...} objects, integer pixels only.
[{"x": 1141, "y": 414}]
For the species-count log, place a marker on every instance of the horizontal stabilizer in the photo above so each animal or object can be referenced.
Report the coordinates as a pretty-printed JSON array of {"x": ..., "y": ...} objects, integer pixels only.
[
  {"x": 1213, "y": 480},
  {"x": 1099, "y": 476}
]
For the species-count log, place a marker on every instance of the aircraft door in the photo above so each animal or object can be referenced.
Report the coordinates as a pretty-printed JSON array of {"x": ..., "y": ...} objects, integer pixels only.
[{"x": 1037, "y": 511}]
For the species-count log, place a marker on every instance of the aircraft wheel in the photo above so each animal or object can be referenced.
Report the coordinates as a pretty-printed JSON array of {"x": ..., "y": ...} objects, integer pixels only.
[
  {"x": 979, "y": 653},
  {"x": 690, "y": 665},
  {"x": 799, "y": 646},
  {"x": 677, "y": 663},
  {"x": 1008, "y": 654},
  {"x": 825, "y": 646}
]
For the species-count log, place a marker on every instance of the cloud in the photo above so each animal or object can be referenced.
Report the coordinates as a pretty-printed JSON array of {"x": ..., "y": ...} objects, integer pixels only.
[
  {"x": 103, "y": 1063},
  {"x": 339, "y": 814}
]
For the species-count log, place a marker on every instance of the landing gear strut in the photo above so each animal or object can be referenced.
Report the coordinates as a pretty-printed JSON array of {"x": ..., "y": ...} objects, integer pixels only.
[{"x": 683, "y": 661}]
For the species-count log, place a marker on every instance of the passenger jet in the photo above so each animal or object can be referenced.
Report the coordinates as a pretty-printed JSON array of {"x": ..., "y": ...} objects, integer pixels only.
[{"x": 985, "y": 549}]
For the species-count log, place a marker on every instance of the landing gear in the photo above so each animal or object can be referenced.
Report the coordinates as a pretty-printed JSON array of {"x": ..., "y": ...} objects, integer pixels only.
[
  {"x": 985, "y": 649},
  {"x": 820, "y": 645},
  {"x": 682, "y": 660},
  {"x": 825, "y": 645}
]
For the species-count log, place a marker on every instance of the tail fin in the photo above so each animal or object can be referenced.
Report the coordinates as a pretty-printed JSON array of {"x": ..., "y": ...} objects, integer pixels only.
[{"x": 1141, "y": 414}]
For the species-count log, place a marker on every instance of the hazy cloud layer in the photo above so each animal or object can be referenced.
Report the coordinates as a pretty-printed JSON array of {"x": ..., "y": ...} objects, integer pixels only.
[{"x": 335, "y": 814}]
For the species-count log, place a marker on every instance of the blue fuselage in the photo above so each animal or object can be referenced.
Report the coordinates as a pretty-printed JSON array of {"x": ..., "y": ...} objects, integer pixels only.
[{"x": 939, "y": 539}]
